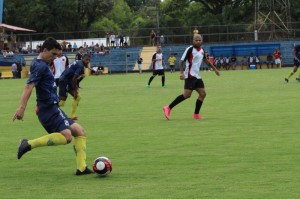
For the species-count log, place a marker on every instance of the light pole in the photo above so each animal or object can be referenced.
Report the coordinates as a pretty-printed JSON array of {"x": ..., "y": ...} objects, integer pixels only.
[
  {"x": 157, "y": 16},
  {"x": 1, "y": 10}
]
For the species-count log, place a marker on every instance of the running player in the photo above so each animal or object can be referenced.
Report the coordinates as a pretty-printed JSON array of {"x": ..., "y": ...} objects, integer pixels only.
[
  {"x": 158, "y": 67},
  {"x": 60, "y": 128},
  {"x": 192, "y": 58},
  {"x": 69, "y": 83},
  {"x": 60, "y": 63},
  {"x": 296, "y": 55}
]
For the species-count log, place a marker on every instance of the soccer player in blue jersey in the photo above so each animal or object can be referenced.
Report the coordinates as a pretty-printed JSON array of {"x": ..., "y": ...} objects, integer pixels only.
[
  {"x": 192, "y": 57},
  {"x": 60, "y": 128},
  {"x": 69, "y": 83},
  {"x": 296, "y": 55}
]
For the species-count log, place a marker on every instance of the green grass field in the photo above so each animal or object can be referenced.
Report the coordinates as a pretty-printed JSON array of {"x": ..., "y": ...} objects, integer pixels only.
[{"x": 246, "y": 147}]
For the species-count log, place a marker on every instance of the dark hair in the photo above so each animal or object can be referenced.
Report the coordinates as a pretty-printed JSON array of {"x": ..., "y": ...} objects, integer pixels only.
[
  {"x": 86, "y": 55},
  {"x": 50, "y": 43}
]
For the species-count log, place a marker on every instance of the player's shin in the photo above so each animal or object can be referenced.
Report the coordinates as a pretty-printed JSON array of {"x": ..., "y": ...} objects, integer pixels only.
[
  {"x": 80, "y": 152},
  {"x": 75, "y": 105},
  {"x": 52, "y": 139}
]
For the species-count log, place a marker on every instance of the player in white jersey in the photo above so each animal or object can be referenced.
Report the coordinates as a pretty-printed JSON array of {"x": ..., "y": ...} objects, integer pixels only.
[
  {"x": 158, "y": 65},
  {"x": 60, "y": 63},
  {"x": 192, "y": 58}
]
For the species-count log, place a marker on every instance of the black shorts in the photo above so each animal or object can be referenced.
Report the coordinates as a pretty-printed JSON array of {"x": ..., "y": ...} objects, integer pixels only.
[
  {"x": 171, "y": 66},
  {"x": 296, "y": 63},
  {"x": 193, "y": 83},
  {"x": 159, "y": 72},
  {"x": 53, "y": 118},
  {"x": 64, "y": 88}
]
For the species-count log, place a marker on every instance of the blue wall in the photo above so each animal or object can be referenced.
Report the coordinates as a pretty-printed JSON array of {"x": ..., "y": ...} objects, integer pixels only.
[{"x": 241, "y": 49}]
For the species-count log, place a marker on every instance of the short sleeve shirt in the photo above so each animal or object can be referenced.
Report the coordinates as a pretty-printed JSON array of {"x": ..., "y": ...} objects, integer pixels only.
[
  {"x": 43, "y": 79},
  {"x": 157, "y": 65},
  {"x": 75, "y": 69},
  {"x": 193, "y": 58}
]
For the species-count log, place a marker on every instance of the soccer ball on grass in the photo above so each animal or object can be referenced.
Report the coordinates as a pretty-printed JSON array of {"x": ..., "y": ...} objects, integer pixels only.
[{"x": 102, "y": 166}]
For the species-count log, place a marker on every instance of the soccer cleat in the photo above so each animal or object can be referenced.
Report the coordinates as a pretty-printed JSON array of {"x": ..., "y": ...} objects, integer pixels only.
[
  {"x": 148, "y": 86},
  {"x": 286, "y": 80},
  {"x": 197, "y": 117},
  {"x": 167, "y": 111},
  {"x": 74, "y": 118},
  {"x": 23, "y": 148},
  {"x": 86, "y": 171}
]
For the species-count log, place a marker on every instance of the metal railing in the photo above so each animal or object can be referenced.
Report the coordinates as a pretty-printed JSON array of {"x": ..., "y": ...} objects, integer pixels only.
[{"x": 181, "y": 35}]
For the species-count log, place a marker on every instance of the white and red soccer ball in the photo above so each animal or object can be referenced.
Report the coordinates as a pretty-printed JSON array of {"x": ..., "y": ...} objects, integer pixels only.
[{"x": 102, "y": 166}]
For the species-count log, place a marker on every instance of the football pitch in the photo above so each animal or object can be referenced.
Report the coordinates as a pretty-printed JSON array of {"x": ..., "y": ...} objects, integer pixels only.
[{"x": 245, "y": 147}]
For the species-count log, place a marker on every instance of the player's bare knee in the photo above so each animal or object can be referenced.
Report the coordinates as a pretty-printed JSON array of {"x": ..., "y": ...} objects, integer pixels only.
[
  {"x": 77, "y": 130},
  {"x": 186, "y": 96},
  {"x": 67, "y": 135}
]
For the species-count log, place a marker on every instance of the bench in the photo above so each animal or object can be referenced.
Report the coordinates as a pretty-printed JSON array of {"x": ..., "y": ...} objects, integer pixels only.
[{"x": 6, "y": 75}]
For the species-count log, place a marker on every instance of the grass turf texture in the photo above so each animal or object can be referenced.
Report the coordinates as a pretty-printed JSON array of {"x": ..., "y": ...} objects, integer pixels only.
[{"x": 247, "y": 145}]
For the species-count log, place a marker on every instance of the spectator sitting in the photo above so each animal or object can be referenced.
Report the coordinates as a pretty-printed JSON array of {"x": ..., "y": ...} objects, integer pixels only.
[
  {"x": 125, "y": 44},
  {"x": 233, "y": 61},
  {"x": 96, "y": 48},
  {"x": 29, "y": 49},
  {"x": 251, "y": 60},
  {"x": 257, "y": 61},
  {"x": 101, "y": 53},
  {"x": 217, "y": 63},
  {"x": 75, "y": 46},
  {"x": 24, "y": 50},
  {"x": 69, "y": 48},
  {"x": 10, "y": 54},
  {"x": 277, "y": 57},
  {"x": 4, "y": 53},
  {"x": 97, "y": 70},
  {"x": 227, "y": 63},
  {"x": 102, "y": 47},
  {"x": 106, "y": 50}
]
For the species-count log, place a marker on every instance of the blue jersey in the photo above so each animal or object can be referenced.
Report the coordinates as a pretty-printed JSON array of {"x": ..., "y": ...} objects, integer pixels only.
[
  {"x": 42, "y": 77},
  {"x": 75, "y": 69},
  {"x": 297, "y": 51}
]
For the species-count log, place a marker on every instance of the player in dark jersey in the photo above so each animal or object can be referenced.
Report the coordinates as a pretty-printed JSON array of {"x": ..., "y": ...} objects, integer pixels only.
[
  {"x": 60, "y": 128},
  {"x": 158, "y": 65},
  {"x": 78, "y": 56},
  {"x": 69, "y": 83},
  {"x": 296, "y": 55},
  {"x": 192, "y": 58}
]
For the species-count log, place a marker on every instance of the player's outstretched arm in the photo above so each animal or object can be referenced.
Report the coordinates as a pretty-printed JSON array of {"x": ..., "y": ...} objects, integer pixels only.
[
  {"x": 212, "y": 66},
  {"x": 19, "y": 114}
]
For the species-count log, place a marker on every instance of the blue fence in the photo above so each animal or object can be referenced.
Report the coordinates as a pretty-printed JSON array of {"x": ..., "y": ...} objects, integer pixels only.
[{"x": 117, "y": 60}]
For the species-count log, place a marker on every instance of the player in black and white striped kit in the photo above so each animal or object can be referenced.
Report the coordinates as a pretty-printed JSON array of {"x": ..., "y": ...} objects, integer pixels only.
[
  {"x": 158, "y": 65},
  {"x": 192, "y": 58}
]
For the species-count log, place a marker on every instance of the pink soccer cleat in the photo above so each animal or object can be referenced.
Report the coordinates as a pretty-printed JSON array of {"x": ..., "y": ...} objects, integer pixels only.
[
  {"x": 167, "y": 111},
  {"x": 197, "y": 117}
]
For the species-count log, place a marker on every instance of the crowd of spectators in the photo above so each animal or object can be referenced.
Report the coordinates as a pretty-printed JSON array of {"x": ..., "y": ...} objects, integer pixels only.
[{"x": 248, "y": 62}]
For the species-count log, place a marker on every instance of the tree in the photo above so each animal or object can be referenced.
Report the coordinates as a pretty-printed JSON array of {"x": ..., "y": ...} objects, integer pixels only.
[{"x": 41, "y": 15}]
